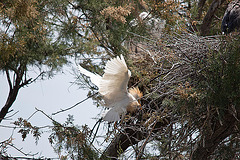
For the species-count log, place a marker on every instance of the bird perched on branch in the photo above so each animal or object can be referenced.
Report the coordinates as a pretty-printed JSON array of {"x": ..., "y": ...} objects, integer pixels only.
[
  {"x": 231, "y": 18},
  {"x": 113, "y": 88}
]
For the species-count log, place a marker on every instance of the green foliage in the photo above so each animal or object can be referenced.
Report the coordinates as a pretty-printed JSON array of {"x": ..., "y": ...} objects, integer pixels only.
[
  {"x": 109, "y": 21},
  {"x": 68, "y": 140},
  {"x": 218, "y": 84},
  {"x": 212, "y": 95},
  {"x": 43, "y": 33},
  {"x": 223, "y": 75},
  {"x": 230, "y": 149},
  {"x": 170, "y": 11},
  {"x": 197, "y": 15},
  {"x": 25, "y": 38},
  {"x": 71, "y": 141},
  {"x": 27, "y": 128}
]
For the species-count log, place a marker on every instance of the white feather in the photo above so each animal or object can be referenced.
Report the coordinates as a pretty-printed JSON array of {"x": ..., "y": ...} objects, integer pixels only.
[
  {"x": 113, "y": 87},
  {"x": 111, "y": 116},
  {"x": 95, "y": 78},
  {"x": 115, "y": 77}
]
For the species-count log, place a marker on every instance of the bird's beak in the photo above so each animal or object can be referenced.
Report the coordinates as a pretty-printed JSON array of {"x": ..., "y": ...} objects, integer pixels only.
[{"x": 139, "y": 104}]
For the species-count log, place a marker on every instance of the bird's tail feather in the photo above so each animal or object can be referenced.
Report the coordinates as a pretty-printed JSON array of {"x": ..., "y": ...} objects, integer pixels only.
[{"x": 111, "y": 116}]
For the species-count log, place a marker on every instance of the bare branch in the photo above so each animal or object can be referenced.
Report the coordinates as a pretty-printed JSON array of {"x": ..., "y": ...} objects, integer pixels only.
[
  {"x": 63, "y": 110},
  {"x": 205, "y": 27},
  {"x": 145, "y": 143},
  {"x": 9, "y": 79}
]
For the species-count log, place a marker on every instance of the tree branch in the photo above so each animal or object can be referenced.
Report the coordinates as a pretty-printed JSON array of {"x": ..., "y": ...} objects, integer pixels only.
[
  {"x": 130, "y": 137},
  {"x": 209, "y": 142},
  {"x": 8, "y": 79},
  {"x": 200, "y": 8},
  {"x": 63, "y": 110},
  {"x": 205, "y": 27},
  {"x": 13, "y": 92},
  {"x": 145, "y": 143}
]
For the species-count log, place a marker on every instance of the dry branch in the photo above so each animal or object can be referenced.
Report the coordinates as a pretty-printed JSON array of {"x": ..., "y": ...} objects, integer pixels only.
[{"x": 168, "y": 61}]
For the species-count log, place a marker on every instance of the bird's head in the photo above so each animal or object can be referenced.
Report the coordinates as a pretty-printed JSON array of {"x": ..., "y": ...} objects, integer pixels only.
[{"x": 137, "y": 94}]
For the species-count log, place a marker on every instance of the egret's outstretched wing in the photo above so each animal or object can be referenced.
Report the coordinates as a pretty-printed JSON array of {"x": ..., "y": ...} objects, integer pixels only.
[
  {"x": 95, "y": 78},
  {"x": 113, "y": 85}
]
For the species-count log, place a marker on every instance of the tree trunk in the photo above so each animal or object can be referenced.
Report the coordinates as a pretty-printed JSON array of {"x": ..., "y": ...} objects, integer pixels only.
[
  {"x": 205, "y": 27},
  {"x": 211, "y": 140},
  {"x": 200, "y": 8},
  {"x": 122, "y": 142},
  {"x": 10, "y": 100},
  {"x": 131, "y": 137},
  {"x": 13, "y": 92}
]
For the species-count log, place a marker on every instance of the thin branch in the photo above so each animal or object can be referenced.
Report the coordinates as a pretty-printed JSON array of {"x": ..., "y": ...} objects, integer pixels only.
[
  {"x": 95, "y": 134},
  {"x": 11, "y": 115},
  {"x": 30, "y": 80},
  {"x": 142, "y": 37},
  {"x": 27, "y": 158},
  {"x": 20, "y": 150},
  {"x": 32, "y": 115},
  {"x": 63, "y": 110},
  {"x": 47, "y": 115},
  {"x": 14, "y": 127}
]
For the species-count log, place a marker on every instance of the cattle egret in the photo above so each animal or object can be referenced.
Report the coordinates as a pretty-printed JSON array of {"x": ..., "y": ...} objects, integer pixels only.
[
  {"x": 113, "y": 88},
  {"x": 152, "y": 23}
]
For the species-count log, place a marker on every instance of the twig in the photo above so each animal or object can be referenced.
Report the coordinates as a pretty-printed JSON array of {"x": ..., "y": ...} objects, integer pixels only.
[
  {"x": 142, "y": 37},
  {"x": 32, "y": 115},
  {"x": 94, "y": 136},
  {"x": 20, "y": 150},
  {"x": 47, "y": 116},
  {"x": 63, "y": 110},
  {"x": 30, "y": 80},
  {"x": 145, "y": 143},
  {"x": 11, "y": 115}
]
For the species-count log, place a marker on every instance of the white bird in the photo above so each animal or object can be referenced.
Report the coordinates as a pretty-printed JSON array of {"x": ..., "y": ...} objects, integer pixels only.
[
  {"x": 151, "y": 22},
  {"x": 113, "y": 88}
]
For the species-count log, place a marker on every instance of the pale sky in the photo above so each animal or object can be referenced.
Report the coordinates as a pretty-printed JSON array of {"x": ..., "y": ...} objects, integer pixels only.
[{"x": 49, "y": 96}]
